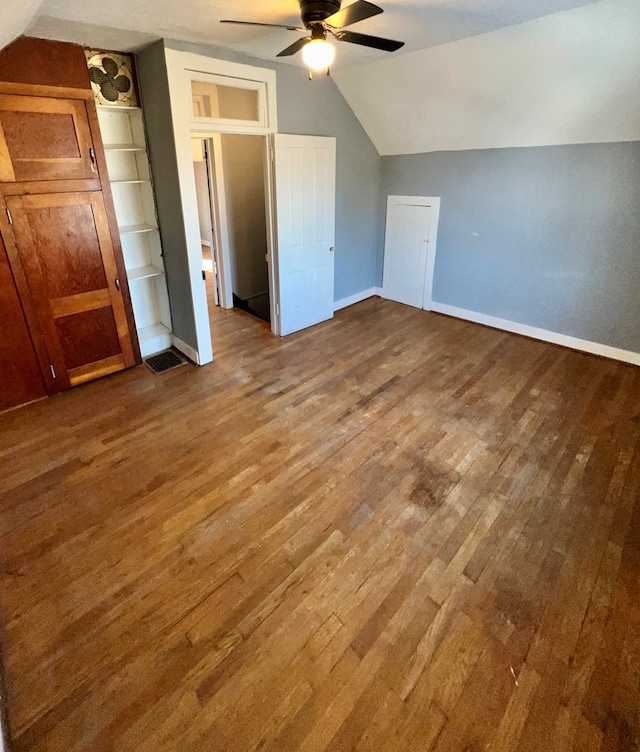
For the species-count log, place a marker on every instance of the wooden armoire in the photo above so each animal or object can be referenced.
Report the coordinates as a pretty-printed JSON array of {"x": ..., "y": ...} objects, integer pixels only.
[{"x": 65, "y": 311}]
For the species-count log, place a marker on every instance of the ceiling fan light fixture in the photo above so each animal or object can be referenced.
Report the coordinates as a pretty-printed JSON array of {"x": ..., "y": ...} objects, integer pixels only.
[{"x": 318, "y": 54}]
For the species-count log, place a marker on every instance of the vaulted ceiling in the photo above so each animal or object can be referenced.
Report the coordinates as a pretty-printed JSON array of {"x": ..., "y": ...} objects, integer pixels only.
[
  {"x": 128, "y": 24},
  {"x": 473, "y": 74}
]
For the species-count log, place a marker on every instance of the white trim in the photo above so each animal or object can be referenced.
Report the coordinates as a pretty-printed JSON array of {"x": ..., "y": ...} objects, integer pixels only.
[
  {"x": 575, "y": 343},
  {"x": 356, "y": 298},
  {"x": 433, "y": 202},
  {"x": 218, "y": 198},
  {"x": 207, "y": 243},
  {"x": 193, "y": 65},
  {"x": 186, "y": 349},
  {"x": 182, "y": 67}
]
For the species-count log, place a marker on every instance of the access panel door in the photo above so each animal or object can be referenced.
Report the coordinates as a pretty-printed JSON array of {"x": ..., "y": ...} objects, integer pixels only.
[
  {"x": 43, "y": 138},
  {"x": 405, "y": 253},
  {"x": 305, "y": 199},
  {"x": 63, "y": 244}
]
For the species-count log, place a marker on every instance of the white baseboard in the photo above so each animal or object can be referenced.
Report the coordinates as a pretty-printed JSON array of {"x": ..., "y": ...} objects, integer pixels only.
[
  {"x": 186, "y": 349},
  {"x": 353, "y": 299},
  {"x": 575, "y": 343}
]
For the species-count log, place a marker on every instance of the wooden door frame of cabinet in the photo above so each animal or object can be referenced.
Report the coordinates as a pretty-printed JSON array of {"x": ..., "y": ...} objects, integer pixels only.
[
  {"x": 56, "y": 186},
  {"x": 24, "y": 294},
  {"x": 39, "y": 90}
]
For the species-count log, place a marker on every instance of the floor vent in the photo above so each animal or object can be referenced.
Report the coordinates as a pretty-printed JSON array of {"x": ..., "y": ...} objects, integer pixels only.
[{"x": 164, "y": 361}]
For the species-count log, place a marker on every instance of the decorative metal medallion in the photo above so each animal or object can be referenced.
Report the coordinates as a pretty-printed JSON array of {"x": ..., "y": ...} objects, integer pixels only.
[{"x": 111, "y": 75}]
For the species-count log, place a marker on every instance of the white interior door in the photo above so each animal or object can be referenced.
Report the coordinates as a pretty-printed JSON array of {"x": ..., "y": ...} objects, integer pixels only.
[
  {"x": 305, "y": 178},
  {"x": 408, "y": 251}
]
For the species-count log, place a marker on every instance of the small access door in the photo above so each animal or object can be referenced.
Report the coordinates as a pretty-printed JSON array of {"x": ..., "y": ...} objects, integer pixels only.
[
  {"x": 409, "y": 250},
  {"x": 305, "y": 178}
]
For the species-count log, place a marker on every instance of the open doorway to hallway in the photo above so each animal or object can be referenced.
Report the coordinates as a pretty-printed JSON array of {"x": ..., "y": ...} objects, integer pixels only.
[{"x": 230, "y": 185}]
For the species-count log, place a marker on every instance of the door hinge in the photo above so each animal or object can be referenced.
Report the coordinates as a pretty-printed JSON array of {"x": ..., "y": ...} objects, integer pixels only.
[
  {"x": 53, "y": 371},
  {"x": 9, "y": 217},
  {"x": 273, "y": 154},
  {"x": 204, "y": 275},
  {"x": 277, "y": 309},
  {"x": 92, "y": 154}
]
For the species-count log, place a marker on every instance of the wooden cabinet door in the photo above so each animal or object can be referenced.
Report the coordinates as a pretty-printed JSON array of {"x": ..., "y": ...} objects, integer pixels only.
[
  {"x": 63, "y": 244},
  {"x": 20, "y": 377},
  {"x": 43, "y": 138}
]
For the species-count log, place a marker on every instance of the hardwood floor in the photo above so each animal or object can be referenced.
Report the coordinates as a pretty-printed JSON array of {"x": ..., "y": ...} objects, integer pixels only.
[{"x": 393, "y": 531}]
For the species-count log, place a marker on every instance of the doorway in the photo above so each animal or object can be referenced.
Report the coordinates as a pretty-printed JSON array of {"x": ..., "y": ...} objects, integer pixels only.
[{"x": 229, "y": 171}]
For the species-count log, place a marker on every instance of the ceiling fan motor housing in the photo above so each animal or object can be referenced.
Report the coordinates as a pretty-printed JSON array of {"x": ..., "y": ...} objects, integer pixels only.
[{"x": 314, "y": 11}]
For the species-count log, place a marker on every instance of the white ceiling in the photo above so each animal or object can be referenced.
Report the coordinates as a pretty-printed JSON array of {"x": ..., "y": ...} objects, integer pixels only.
[
  {"x": 130, "y": 24},
  {"x": 568, "y": 78}
]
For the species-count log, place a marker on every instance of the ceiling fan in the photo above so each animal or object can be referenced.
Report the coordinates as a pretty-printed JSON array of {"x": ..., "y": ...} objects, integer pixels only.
[{"x": 325, "y": 18}]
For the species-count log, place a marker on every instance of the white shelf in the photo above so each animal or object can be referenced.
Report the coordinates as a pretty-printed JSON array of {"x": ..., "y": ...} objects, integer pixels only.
[
  {"x": 143, "y": 272},
  {"x": 118, "y": 107},
  {"x": 153, "y": 339},
  {"x": 153, "y": 331},
  {"x": 128, "y": 164},
  {"x": 123, "y": 147},
  {"x": 131, "y": 229}
]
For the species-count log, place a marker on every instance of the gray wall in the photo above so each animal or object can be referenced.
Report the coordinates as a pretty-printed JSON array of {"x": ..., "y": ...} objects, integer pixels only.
[
  {"x": 545, "y": 236},
  {"x": 243, "y": 160},
  {"x": 154, "y": 90},
  {"x": 317, "y": 108},
  {"x": 304, "y": 107}
]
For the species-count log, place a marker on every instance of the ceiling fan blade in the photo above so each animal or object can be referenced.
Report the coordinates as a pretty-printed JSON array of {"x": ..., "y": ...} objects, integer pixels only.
[
  {"x": 358, "y": 11},
  {"x": 378, "y": 43},
  {"x": 256, "y": 23},
  {"x": 293, "y": 48}
]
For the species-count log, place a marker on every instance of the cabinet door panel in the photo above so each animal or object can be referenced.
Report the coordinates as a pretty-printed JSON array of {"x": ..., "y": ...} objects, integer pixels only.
[
  {"x": 20, "y": 378},
  {"x": 43, "y": 138},
  {"x": 65, "y": 248}
]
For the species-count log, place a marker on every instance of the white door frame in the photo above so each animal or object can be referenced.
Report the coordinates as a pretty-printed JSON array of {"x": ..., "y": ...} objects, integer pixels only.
[
  {"x": 433, "y": 202},
  {"x": 220, "y": 223},
  {"x": 182, "y": 69}
]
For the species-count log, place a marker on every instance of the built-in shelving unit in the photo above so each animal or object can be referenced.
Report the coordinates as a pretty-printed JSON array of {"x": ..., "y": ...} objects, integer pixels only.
[{"x": 125, "y": 147}]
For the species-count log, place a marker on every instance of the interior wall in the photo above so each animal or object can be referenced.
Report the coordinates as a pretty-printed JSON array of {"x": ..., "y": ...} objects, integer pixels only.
[
  {"x": 544, "y": 236},
  {"x": 154, "y": 91},
  {"x": 243, "y": 164},
  {"x": 317, "y": 108},
  {"x": 304, "y": 107}
]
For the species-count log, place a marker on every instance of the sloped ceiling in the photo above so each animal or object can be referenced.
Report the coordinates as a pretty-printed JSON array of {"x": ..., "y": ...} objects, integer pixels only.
[
  {"x": 568, "y": 78},
  {"x": 473, "y": 74},
  {"x": 420, "y": 23},
  {"x": 16, "y": 17}
]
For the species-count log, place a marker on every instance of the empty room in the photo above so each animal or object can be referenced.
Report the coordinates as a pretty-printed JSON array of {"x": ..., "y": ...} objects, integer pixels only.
[{"x": 320, "y": 376}]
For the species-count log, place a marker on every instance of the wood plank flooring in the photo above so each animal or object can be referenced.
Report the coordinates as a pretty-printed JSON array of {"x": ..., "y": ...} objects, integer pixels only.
[{"x": 394, "y": 531}]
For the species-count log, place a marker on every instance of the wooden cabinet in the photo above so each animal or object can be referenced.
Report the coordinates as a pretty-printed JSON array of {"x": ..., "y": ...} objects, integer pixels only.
[
  {"x": 62, "y": 280},
  {"x": 64, "y": 246},
  {"x": 20, "y": 377},
  {"x": 43, "y": 138}
]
